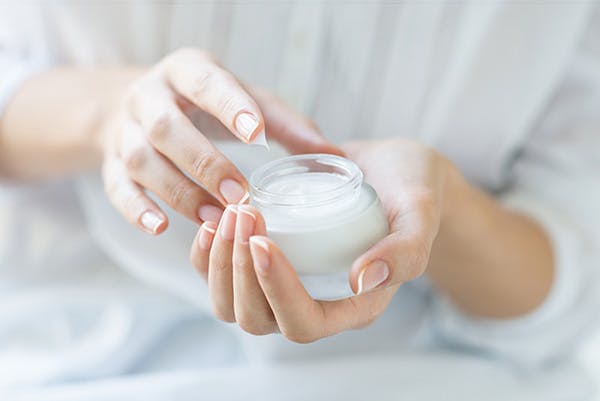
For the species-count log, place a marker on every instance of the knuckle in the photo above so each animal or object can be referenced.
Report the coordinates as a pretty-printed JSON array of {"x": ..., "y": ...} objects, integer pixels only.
[
  {"x": 179, "y": 193},
  {"x": 136, "y": 158},
  {"x": 203, "y": 82},
  {"x": 227, "y": 105},
  {"x": 202, "y": 166},
  {"x": 159, "y": 129}
]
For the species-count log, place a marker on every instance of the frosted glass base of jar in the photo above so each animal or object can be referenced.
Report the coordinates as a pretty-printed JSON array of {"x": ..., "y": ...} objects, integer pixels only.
[
  {"x": 323, "y": 253},
  {"x": 327, "y": 287},
  {"x": 326, "y": 247}
]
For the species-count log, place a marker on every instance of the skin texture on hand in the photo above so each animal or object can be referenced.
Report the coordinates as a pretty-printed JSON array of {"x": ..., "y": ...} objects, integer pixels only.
[
  {"x": 151, "y": 130},
  {"x": 434, "y": 218},
  {"x": 159, "y": 142},
  {"x": 489, "y": 261}
]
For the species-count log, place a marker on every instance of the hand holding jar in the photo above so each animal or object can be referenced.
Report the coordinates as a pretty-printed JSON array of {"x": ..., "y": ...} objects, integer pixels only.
[{"x": 252, "y": 282}]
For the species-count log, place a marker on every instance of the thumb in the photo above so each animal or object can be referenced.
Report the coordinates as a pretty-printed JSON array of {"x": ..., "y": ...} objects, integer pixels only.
[
  {"x": 293, "y": 131},
  {"x": 401, "y": 256}
]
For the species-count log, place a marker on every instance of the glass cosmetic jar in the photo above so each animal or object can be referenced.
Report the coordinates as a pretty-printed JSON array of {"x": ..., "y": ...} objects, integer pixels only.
[{"x": 321, "y": 214}]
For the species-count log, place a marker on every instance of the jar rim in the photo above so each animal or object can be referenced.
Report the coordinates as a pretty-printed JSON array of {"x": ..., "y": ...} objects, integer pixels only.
[{"x": 342, "y": 166}]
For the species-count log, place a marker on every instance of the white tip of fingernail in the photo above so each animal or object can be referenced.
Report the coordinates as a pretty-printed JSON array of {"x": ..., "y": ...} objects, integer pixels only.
[
  {"x": 246, "y": 124},
  {"x": 244, "y": 198},
  {"x": 372, "y": 275},
  {"x": 244, "y": 209},
  {"x": 259, "y": 242},
  {"x": 151, "y": 221}
]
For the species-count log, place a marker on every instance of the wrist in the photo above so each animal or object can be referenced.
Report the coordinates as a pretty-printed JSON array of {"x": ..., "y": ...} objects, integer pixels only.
[
  {"x": 454, "y": 202},
  {"x": 456, "y": 216}
]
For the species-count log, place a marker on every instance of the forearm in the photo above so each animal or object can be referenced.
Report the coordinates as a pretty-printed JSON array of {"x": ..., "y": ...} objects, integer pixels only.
[
  {"x": 490, "y": 261},
  {"x": 52, "y": 125}
]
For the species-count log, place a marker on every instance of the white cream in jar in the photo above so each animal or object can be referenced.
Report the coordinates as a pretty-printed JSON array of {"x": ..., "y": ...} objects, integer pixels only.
[{"x": 321, "y": 214}]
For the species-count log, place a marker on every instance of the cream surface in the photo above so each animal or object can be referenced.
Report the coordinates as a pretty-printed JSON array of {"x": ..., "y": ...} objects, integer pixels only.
[
  {"x": 307, "y": 197},
  {"x": 309, "y": 183}
]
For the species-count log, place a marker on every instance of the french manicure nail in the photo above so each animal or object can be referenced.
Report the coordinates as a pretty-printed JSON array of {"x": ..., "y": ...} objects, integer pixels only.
[
  {"x": 246, "y": 221},
  {"x": 246, "y": 124},
  {"x": 151, "y": 221},
  {"x": 228, "y": 223},
  {"x": 232, "y": 191},
  {"x": 244, "y": 199},
  {"x": 260, "y": 253},
  {"x": 372, "y": 275},
  {"x": 210, "y": 213},
  {"x": 207, "y": 233}
]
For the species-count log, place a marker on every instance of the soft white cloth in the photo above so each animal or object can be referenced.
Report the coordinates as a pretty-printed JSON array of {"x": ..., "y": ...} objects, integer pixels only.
[{"x": 507, "y": 90}]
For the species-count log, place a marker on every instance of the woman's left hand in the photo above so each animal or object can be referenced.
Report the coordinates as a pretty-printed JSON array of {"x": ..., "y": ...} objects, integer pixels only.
[{"x": 252, "y": 283}]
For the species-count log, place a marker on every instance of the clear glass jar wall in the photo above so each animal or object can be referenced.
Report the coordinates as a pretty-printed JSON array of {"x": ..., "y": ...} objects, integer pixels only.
[{"x": 321, "y": 214}]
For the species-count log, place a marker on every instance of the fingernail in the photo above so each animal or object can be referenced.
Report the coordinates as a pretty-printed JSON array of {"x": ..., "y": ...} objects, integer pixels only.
[
  {"x": 372, "y": 275},
  {"x": 207, "y": 233},
  {"x": 232, "y": 191},
  {"x": 245, "y": 198},
  {"x": 151, "y": 221},
  {"x": 228, "y": 223},
  {"x": 210, "y": 213},
  {"x": 260, "y": 253},
  {"x": 246, "y": 124},
  {"x": 246, "y": 221}
]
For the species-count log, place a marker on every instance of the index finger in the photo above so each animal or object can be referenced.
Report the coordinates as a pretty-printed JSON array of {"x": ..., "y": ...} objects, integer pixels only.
[{"x": 199, "y": 78}]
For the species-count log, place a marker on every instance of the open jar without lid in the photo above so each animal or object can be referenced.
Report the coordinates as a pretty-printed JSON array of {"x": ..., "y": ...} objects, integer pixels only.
[{"x": 321, "y": 214}]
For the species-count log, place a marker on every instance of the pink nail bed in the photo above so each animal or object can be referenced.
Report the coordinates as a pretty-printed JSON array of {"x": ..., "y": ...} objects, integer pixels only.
[{"x": 228, "y": 223}]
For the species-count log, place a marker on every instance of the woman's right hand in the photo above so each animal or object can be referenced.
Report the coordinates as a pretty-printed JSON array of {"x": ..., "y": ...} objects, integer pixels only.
[{"x": 151, "y": 144}]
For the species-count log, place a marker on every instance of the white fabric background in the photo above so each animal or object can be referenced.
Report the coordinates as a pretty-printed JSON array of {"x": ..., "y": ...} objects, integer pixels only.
[{"x": 507, "y": 90}]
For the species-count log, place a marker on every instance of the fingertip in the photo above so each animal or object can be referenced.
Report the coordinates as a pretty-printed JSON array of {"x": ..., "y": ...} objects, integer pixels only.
[
  {"x": 153, "y": 222},
  {"x": 260, "y": 250},
  {"x": 334, "y": 150},
  {"x": 248, "y": 125},
  {"x": 372, "y": 276},
  {"x": 162, "y": 227},
  {"x": 260, "y": 226},
  {"x": 228, "y": 223},
  {"x": 206, "y": 235},
  {"x": 233, "y": 191}
]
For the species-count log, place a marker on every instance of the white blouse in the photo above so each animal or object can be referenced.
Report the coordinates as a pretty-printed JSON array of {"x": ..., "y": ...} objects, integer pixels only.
[{"x": 510, "y": 91}]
